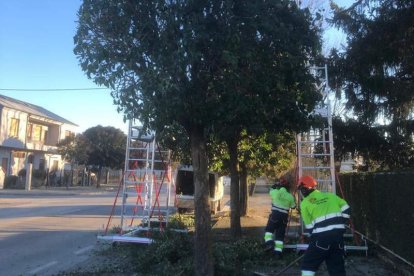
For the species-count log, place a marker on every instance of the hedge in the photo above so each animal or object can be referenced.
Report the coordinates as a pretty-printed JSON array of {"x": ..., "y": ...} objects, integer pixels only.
[{"x": 382, "y": 206}]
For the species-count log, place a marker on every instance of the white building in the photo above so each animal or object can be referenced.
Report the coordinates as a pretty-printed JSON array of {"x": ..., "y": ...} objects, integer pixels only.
[{"x": 30, "y": 133}]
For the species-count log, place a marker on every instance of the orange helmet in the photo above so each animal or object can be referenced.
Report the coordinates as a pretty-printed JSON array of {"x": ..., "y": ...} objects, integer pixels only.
[{"x": 307, "y": 181}]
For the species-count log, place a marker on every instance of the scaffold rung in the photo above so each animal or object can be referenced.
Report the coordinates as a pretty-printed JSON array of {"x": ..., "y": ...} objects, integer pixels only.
[
  {"x": 316, "y": 168},
  {"x": 126, "y": 239},
  {"x": 304, "y": 246},
  {"x": 314, "y": 142},
  {"x": 145, "y": 190},
  {"x": 314, "y": 154}
]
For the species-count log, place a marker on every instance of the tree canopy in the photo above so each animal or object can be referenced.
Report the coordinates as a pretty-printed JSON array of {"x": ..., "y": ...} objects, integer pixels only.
[
  {"x": 97, "y": 146},
  {"x": 73, "y": 149},
  {"x": 375, "y": 72},
  {"x": 106, "y": 146},
  {"x": 203, "y": 54},
  {"x": 213, "y": 67}
]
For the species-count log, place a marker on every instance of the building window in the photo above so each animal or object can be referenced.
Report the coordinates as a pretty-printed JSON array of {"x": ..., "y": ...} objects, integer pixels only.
[
  {"x": 55, "y": 165},
  {"x": 18, "y": 154},
  {"x": 14, "y": 127},
  {"x": 37, "y": 133},
  {"x": 29, "y": 130}
]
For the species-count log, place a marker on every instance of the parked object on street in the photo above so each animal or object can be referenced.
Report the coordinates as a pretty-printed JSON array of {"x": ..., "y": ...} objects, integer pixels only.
[{"x": 184, "y": 182}]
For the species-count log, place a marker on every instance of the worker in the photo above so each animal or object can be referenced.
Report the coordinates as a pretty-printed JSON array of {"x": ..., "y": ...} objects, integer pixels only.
[
  {"x": 282, "y": 201},
  {"x": 324, "y": 215}
]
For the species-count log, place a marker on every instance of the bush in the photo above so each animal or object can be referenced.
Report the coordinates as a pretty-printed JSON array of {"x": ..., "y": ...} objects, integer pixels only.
[
  {"x": 170, "y": 254},
  {"x": 238, "y": 258},
  {"x": 22, "y": 173},
  {"x": 179, "y": 221},
  {"x": 40, "y": 174},
  {"x": 10, "y": 182}
]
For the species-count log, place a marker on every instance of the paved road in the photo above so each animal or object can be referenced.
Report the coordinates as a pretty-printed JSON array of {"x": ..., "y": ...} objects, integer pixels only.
[{"x": 44, "y": 232}]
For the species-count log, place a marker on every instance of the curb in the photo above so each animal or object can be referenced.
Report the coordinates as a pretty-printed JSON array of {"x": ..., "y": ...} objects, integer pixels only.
[{"x": 55, "y": 192}]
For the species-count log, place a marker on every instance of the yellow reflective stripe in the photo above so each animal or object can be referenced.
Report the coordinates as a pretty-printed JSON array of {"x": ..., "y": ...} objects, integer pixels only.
[
  {"x": 346, "y": 206},
  {"x": 309, "y": 226},
  {"x": 328, "y": 228},
  {"x": 278, "y": 245},
  {"x": 307, "y": 273},
  {"x": 280, "y": 209},
  {"x": 268, "y": 236},
  {"x": 323, "y": 218}
]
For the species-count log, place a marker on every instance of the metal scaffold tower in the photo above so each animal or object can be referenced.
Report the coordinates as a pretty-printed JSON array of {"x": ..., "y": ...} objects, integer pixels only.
[
  {"x": 315, "y": 151},
  {"x": 145, "y": 190},
  {"x": 315, "y": 157}
]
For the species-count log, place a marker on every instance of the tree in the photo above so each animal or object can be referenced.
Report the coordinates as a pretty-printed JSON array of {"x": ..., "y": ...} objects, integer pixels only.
[
  {"x": 73, "y": 149},
  {"x": 189, "y": 63},
  {"x": 270, "y": 87},
  {"x": 269, "y": 155},
  {"x": 96, "y": 146},
  {"x": 375, "y": 71},
  {"x": 352, "y": 137},
  {"x": 106, "y": 146}
]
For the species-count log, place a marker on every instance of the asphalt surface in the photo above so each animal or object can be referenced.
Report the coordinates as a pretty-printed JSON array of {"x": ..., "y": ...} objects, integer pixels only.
[{"x": 43, "y": 232}]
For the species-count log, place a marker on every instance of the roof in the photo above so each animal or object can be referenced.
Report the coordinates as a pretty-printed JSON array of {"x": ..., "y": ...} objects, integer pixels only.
[{"x": 32, "y": 109}]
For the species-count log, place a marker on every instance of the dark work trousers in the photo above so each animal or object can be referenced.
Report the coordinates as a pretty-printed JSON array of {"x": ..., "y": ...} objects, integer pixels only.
[
  {"x": 326, "y": 246},
  {"x": 277, "y": 224}
]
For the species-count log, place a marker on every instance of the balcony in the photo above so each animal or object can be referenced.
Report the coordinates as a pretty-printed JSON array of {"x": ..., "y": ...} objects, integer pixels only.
[{"x": 43, "y": 137}]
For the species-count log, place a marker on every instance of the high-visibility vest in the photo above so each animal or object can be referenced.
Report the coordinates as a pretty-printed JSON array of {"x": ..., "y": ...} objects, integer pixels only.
[
  {"x": 282, "y": 200},
  {"x": 322, "y": 211}
]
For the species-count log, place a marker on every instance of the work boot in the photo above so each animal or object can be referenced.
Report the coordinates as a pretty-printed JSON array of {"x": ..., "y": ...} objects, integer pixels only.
[
  {"x": 277, "y": 254},
  {"x": 269, "y": 246}
]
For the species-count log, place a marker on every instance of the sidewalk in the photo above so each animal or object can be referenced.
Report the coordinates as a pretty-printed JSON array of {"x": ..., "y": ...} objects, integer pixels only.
[
  {"x": 254, "y": 223},
  {"x": 56, "y": 191}
]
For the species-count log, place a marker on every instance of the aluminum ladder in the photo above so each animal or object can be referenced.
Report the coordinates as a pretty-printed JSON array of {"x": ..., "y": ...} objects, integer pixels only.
[
  {"x": 145, "y": 190},
  {"x": 315, "y": 155},
  {"x": 315, "y": 150}
]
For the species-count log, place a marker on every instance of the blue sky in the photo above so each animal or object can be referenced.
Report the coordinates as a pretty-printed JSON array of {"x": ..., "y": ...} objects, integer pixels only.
[{"x": 36, "y": 52}]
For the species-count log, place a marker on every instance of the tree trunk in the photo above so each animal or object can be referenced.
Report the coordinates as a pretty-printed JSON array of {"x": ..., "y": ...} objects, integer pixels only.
[
  {"x": 71, "y": 176},
  {"x": 202, "y": 251},
  {"x": 83, "y": 177},
  {"x": 98, "y": 180},
  {"x": 235, "y": 225},
  {"x": 107, "y": 176},
  {"x": 244, "y": 195}
]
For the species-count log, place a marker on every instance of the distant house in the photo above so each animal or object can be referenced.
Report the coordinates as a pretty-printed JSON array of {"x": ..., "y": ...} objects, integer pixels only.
[{"x": 29, "y": 133}]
